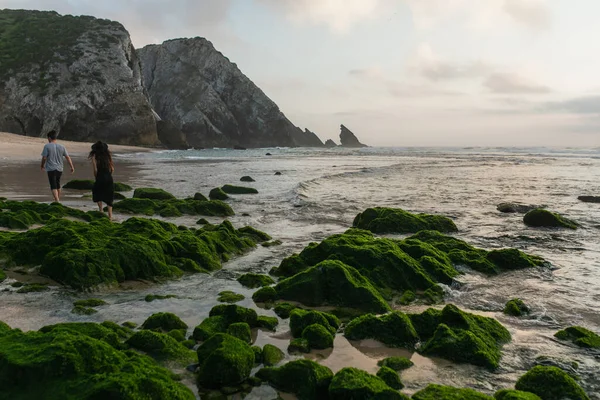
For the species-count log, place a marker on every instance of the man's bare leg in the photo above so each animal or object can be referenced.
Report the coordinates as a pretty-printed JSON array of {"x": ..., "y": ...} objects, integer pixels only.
[
  {"x": 56, "y": 195},
  {"x": 110, "y": 213}
]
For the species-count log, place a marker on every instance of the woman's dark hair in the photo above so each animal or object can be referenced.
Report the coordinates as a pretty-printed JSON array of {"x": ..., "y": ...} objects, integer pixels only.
[{"x": 101, "y": 154}]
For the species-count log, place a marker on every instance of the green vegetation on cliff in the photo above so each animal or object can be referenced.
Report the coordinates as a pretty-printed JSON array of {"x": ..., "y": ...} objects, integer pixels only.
[{"x": 396, "y": 220}]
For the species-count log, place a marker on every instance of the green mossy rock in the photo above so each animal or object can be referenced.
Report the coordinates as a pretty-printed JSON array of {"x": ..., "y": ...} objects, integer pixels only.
[
  {"x": 118, "y": 196},
  {"x": 151, "y": 297},
  {"x": 247, "y": 179},
  {"x": 209, "y": 327},
  {"x": 21, "y": 215},
  {"x": 271, "y": 355},
  {"x": 164, "y": 321},
  {"x": 62, "y": 364},
  {"x": 267, "y": 323},
  {"x": 230, "y": 297},
  {"x": 258, "y": 236},
  {"x": 90, "y": 329},
  {"x": 580, "y": 336},
  {"x": 390, "y": 377},
  {"x": 33, "y": 288},
  {"x": 301, "y": 319},
  {"x": 396, "y": 220},
  {"x": 332, "y": 283},
  {"x": 439, "y": 392},
  {"x": 318, "y": 337},
  {"x": 304, "y": 378},
  {"x": 544, "y": 218},
  {"x": 272, "y": 243},
  {"x": 224, "y": 361},
  {"x": 254, "y": 281},
  {"x": 160, "y": 346},
  {"x": 178, "y": 334},
  {"x": 407, "y": 297},
  {"x": 152, "y": 194},
  {"x": 79, "y": 310},
  {"x": 267, "y": 294},
  {"x": 189, "y": 344},
  {"x": 516, "y": 308},
  {"x": 258, "y": 354},
  {"x": 298, "y": 346},
  {"x": 352, "y": 383},
  {"x": 396, "y": 363},
  {"x": 394, "y": 329},
  {"x": 4, "y": 328},
  {"x": 240, "y": 330},
  {"x": 230, "y": 189},
  {"x": 121, "y": 187},
  {"x": 202, "y": 221},
  {"x": 130, "y": 325},
  {"x": 90, "y": 303},
  {"x": 218, "y": 194},
  {"x": 121, "y": 331},
  {"x": 82, "y": 184},
  {"x": 84, "y": 255},
  {"x": 221, "y": 317},
  {"x": 550, "y": 383},
  {"x": 200, "y": 197},
  {"x": 506, "y": 394},
  {"x": 283, "y": 310},
  {"x": 2, "y": 276},
  {"x": 173, "y": 208}
]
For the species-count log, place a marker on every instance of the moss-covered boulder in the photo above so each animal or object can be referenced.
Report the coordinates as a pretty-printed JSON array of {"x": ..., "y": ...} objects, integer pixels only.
[
  {"x": 200, "y": 197},
  {"x": 33, "y": 288},
  {"x": 390, "y": 377},
  {"x": 79, "y": 310},
  {"x": 396, "y": 363},
  {"x": 298, "y": 346},
  {"x": 152, "y": 194},
  {"x": 396, "y": 220},
  {"x": 164, "y": 321},
  {"x": 332, "y": 283},
  {"x": 62, "y": 364},
  {"x": 267, "y": 323},
  {"x": 247, "y": 179},
  {"x": 218, "y": 194},
  {"x": 90, "y": 303},
  {"x": 283, "y": 310},
  {"x": 318, "y": 337},
  {"x": 550, "y": 383},
  {"x": 224, "y": 361},
  {"x": 240, "y": 330},
  {"x": 267, "y": 294},
  {"x": 301, "y": 319},
  {"x": 439, "y": 392},
  {"x": 221, "y": 317},
  {"x": 304, "y": 378},
  {"x": 407, "y": 297},
  {"x": 230, "y": 189},
  {"x": 4, "y": 328},
  {"x": 152, "y": 297},
  {"x": 394, "y": 329},
  {"x": 230, "y": 297},
  {"x": 2, "y": 276},
  {"x": 580, "y": 336},
  {"x": 83, "y": 184},
  {"x": 21, "y": 215},
  {"x": 352, "y": 383},
  {"x": 544, "y": 218},
  {"x": 271, "y": 355},
  {"x": 178, "y": 334},
  {"x": 160, "y": 346},
  {"x": 507, "y": 394},
  {"x": 93, "y": 330},
  {"x": 253, "y": 281},
  {"x": 516, "y": 308},
  {"x": 173, "y": 208}
]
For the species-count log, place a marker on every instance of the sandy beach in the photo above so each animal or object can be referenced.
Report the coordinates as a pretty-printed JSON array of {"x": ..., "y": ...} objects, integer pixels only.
[{"x": 26, "y": 148}]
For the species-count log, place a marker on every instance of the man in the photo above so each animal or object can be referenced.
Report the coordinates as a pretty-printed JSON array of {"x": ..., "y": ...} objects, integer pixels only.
[{"x": 52, "y": 163}]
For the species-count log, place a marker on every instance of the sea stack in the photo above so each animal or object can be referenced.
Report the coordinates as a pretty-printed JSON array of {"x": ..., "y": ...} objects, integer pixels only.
[
  {"x": 349, "y": 139},
  {"x": 330, "y": 143}
]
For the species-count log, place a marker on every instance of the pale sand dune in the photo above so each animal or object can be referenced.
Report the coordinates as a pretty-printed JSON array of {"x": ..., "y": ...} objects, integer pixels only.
[{"x": 25, "y": 148}]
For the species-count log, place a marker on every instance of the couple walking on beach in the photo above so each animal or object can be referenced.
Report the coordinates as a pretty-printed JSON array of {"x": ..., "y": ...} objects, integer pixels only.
[{"x": 102, "y": 164}]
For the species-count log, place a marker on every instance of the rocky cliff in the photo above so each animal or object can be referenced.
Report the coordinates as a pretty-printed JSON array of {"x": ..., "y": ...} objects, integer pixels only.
[
  {"x": 77, "y": 75},
  {"x": 330, "y": 143},
  {"x": 199, "y": 91},
  {"x": 349, "y": 139}
]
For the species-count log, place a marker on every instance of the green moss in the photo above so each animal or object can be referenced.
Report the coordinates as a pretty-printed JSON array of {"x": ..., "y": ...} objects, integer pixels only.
[
  {"x": 164, "y": 321},
  {"x": 550, "y": 383},
  {"x": 129, "y": 324},
  {"x": 267, "y": 323},
  {"x": 580, "y": 336},
  {"x": 151, "y": 297},
  {"x": 352, "y": 383},
  {"x": 258, "y": 354},
  {"x": 516, "y": 308},
  {"x": 218, "y": 194},
  {"x": 121, "y": 331},
  {"x": 83, "y": 184},
  {"x": 394, "y": 329},
  {"x": 202, "y": 221},
  {"x": 246, "y": 179},
  {"x": 121, "y": 187},
  {"x": 301, "y": 319},
  {"x": 332, "y": 283},
  {"x": 209, "y": 327},
  {"x": 173, "y": 208},
  {"x": 4, "y": 328},
  {"x": 33, "y": 288},
  {"x": 221, "y": 317},
  {"x": 433, "y": 295},
  {"x": 506, "y": 394},
  {"x": 66, "y": 364},
  {"x": 79, "y": 310},
  {"x": 304, "y": 378},
  {"x": 152, "y": 194},
  {"x": 160, "y": 346},
  {"x": 283, "y": 310},
  {"x": 254, "y": 281},
  {"x": 224, "y": 361},
  {"x": 318, "y": 337},
  {"x": 230, "y": 297},
  {"x": 271, "y": 355},
  {"x": 178, "y": 334},
  {"x": 390, "y": 377},
  {"x": 200, "y": 197},
  {"x": 396, "y": 363},
  {"x": 240, "y": 330},
  {"x": 258, "y": 236},
  {"x": 267, "y": 294},
  {"x": 407, "y": 297},
  {"x": 90, "y": 303},
  {"x": 298, "y": 346},
  {"x": 22, "y": 215},
  {"x": 544, "y": 218},
  {"x": 3, "y": 276},
  {"x": 439, "y": 392},
  {"x": 92, "y": 330},
  {"x": 230, "y": 189},
  {"x": 189, "y": 344},
  {"x": 396, "y": 220}
]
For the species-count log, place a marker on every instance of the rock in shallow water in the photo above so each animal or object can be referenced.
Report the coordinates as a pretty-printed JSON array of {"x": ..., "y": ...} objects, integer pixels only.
[
  {"x": 589, "y": 199},
  {"x": 544, "y": 218},
  {"x": 515, "y": 208}
]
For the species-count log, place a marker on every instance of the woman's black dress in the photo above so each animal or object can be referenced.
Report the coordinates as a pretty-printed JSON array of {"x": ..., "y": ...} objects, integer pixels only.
[{"x": 104, "y": 189}]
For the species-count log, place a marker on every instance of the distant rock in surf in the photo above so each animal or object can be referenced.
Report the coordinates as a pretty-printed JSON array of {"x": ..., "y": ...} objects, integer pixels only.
[
  {"x": 589, "y": 199},
  {"x": 349, "y": 139},
  {"x": 330, "y": 143},
  {"x": 515, "y": 208}
]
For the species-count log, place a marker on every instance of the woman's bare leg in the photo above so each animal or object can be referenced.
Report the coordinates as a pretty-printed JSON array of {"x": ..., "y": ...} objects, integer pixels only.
[
  {"x": 100, "y": 206},
  {"x": 110, "y": 213}
]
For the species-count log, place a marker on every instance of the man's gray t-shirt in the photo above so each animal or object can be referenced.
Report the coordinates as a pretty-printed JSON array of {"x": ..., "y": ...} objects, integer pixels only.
[{"x": 54, "y": 153}]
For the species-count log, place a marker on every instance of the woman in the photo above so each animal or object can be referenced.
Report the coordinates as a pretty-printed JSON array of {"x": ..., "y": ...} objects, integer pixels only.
[{"x": 102, "y": 164}]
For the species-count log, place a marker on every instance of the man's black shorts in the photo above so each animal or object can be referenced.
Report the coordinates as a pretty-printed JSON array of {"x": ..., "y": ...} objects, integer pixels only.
[{"x": 54, "y": 179}]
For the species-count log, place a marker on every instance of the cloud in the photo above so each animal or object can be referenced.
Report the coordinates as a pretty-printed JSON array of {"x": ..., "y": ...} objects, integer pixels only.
[
  {"x": 433, "y": 68},
  {"x": 507, "y": 83},
  {"x": 587, "y": 105},
  {"x": 532, "y": 13}
]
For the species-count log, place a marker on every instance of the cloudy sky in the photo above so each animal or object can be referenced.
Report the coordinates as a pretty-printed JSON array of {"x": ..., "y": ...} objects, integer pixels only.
[{"x": 398, "y": 72}]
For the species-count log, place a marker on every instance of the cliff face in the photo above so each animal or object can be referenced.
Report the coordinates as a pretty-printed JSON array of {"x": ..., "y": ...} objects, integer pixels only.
[
  {"x": 77, "y": 75},
  {"x": 349, "y": 139},
  {"x": 203, "y": 94}
]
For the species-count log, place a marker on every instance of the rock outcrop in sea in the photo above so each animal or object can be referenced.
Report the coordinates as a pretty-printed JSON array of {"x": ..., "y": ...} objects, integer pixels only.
[
  {"x": 349, "y": 139},
  {"x": 197, "y": 89},
  {"x": 77, "y": 75},
  {"x": 330, "y": 143}
]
